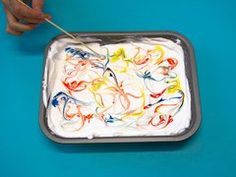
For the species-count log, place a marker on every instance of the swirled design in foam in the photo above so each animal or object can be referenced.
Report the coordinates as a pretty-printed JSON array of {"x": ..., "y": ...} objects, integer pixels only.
[{"x": 132, "y": 88}]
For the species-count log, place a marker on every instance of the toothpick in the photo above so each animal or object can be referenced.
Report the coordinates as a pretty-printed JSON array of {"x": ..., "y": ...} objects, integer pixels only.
[{"x": 64, "y": 31}]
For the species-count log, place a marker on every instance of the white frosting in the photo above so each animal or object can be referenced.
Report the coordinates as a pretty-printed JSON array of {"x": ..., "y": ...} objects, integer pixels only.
[{"x": 136, "y": 125}]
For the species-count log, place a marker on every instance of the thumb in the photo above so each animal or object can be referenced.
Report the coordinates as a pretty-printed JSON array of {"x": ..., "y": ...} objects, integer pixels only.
[{"x": 38, "y": 4}]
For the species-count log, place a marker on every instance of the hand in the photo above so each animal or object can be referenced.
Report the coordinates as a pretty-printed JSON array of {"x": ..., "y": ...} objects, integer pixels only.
[{"x": 21, "y": 18}]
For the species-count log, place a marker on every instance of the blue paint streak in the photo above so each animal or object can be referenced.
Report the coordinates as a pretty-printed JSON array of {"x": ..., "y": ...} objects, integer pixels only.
[
  {"x": 66, "y": 100},
  {"x": 78, "y": 53},
  {"x": 110, "y": 119}
]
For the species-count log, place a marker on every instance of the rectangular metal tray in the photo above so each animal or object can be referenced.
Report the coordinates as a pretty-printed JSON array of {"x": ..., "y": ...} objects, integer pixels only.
[{"x": 190, "y": 68}]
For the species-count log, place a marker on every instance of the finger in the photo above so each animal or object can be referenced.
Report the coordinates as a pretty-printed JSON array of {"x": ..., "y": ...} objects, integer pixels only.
[
  {"x": 36, "y": 20},
  {"x": 14, "y": 24},
  {"x": 11, "y": 31},
  {"x": 26, "y": 13},
  {"x": 38, "y": 4},
  {"x": 8, "y": 28},
  {"x": 32, "y": 20}
]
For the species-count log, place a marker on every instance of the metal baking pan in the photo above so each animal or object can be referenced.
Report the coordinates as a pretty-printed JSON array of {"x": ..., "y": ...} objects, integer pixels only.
[{"x": 190, "y": 68}]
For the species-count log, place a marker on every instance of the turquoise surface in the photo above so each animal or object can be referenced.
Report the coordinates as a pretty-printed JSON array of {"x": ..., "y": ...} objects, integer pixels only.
[{"x": 210, "y": 25}]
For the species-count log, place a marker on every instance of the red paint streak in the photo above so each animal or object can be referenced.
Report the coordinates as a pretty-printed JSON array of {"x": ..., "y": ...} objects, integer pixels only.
[
  {"x": 142, "y": 61},
  {"x": 75, "y": 86},
  {"x": 173, "y": 62},
  {"x": 170, "y": 119},
  {"x": 157, "y": 95},
  {"x": 161, "y": 121},
  {"x": 70, "y": 116},
  {"x": 88, "y": 117}
]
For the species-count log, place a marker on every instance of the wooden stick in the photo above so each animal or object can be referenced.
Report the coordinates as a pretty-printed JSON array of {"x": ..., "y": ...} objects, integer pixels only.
[{"x": 64, "y": 31}]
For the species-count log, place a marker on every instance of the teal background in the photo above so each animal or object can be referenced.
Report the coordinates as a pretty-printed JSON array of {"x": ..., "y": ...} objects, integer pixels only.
[{"x": 211, "y": 27}]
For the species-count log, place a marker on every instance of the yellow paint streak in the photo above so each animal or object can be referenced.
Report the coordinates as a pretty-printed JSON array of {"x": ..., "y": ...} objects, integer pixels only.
[
  {"x": 175, "y": 86},
  {"x": 160, "y": 50}
]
